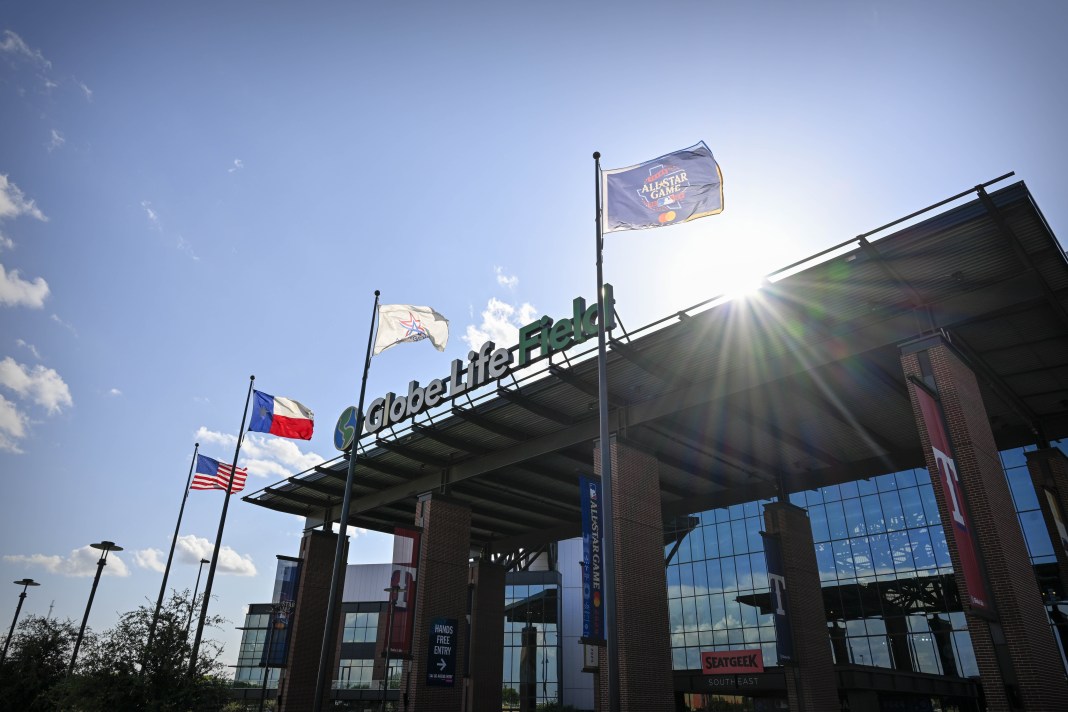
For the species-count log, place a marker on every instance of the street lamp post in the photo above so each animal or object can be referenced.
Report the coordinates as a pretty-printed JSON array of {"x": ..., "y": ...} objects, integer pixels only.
[
  {"x": 393, "y": 591},
  {"x": 104, "y": 546},
  {"x": 25, "y": 583},
  {"x": 193, "y": 603}
]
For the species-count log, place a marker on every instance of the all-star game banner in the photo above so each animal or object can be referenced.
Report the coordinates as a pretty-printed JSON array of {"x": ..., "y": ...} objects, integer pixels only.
[
  {"x": 679, "y": 187},
  {"x": 592, "y": 562},
  {"x": 276, "y": 645}
]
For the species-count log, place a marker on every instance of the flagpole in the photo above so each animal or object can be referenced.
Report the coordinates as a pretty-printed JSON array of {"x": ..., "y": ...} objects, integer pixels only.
[
  {"x": 337, "y": 577},
  {"x": 170, "y": 558},
  {"x": 606, "y": 460},
  {"x": 218, "y": 537}
]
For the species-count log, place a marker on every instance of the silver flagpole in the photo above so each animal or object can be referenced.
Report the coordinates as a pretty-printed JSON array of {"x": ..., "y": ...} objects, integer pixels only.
[
  {"x": 170, "y": 558},
  {"x": 218, "y": 537},
  {"x": 337, "y": 577},
  {"x": 607, "y": 486}
]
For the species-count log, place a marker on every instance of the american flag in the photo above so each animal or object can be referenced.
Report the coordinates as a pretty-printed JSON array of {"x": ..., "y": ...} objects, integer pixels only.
[{"x": 213, "y": 475}]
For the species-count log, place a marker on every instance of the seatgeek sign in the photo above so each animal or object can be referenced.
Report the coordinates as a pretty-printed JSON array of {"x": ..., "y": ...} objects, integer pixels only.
[{"x": 537, "y": 340}]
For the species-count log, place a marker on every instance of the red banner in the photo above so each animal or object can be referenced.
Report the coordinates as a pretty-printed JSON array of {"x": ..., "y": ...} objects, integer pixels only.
[
  {"x": 975, "y": 597},
  {"x": 726, "y": 662},
  {"x": 403, "y": 579}
]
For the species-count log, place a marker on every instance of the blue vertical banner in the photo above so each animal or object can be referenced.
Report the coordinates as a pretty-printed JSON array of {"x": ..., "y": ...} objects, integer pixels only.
[
  {"x": 276, "y": 641},
  {"x": 592, "y": 563},
  {"x": 784, "y": 639}
]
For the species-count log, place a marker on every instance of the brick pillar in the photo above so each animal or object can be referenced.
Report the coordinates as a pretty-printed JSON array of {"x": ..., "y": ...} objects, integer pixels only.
[
  {"x": 1049, "y": 473},
  {"x": 487, "y": 637},
  {"x": 1018, "y": 660},
  {"x": 317, "y": 550},
  {"x": 643, "y": 656},
  {"x": 810, "y": 681},
  {"x": 441, "y": 591}
]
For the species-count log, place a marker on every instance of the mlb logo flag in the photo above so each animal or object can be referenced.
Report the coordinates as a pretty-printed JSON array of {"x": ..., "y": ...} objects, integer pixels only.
[{"x": 676, "y": 188}]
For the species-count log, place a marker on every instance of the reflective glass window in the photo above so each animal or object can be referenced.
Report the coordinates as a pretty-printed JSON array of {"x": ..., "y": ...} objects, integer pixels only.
[
  {"x": 836, "y": 521},
  {"x": 873, "y": 515},
  {"x": 1022, "y": 488},
  {"x": 854, "y": 514},
  {"x": 1037, "y": 536},
  {"x": 912, "y": 507}
]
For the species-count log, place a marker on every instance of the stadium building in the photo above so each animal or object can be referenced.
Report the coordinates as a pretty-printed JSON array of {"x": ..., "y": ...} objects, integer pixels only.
[{"x": 846, "y": 491}]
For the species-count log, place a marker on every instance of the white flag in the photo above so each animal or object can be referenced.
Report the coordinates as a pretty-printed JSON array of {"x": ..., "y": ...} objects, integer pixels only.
[{"x": 401, "y": 323}]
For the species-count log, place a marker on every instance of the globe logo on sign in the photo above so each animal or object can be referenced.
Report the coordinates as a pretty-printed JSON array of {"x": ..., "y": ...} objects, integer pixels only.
[{"x": 345, "y": 432}]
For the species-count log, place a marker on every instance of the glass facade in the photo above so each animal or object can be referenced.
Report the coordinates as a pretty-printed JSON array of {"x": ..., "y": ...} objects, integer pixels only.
[
  {"x": 531, "y": 640},
  {"x": 360, "y": 627},
  {"x": 359, "y": 667},
  {"x": 889, "y": 594},
  {"x": 248, "y": 672}
]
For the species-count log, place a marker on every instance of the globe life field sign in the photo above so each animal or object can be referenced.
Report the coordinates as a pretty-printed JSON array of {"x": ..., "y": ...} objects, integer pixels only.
[{"x": 537, "y": 340}]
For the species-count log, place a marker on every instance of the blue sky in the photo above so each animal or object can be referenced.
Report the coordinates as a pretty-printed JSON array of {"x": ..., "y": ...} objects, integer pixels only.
[{"x": 196, "y": 192}]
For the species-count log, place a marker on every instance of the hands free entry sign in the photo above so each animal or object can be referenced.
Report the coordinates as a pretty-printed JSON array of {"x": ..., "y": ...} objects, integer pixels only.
[{"x": 441, "y": 653}]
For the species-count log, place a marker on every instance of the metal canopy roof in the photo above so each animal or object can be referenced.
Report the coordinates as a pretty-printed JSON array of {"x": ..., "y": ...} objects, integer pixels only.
[{"x": 802, "y": 381}]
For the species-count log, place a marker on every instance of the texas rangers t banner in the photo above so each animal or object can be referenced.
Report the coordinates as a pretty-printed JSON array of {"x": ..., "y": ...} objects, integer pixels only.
[
  {"x": 676, "y": 188},
  {"x": 976, "y": 597}
]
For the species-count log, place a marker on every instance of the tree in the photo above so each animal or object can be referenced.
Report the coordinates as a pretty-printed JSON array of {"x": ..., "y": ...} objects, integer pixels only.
[
  {"x": 114, "y": 671},
  {"x": 510, "y": 697},
  {"x": 40, "y": 653}
]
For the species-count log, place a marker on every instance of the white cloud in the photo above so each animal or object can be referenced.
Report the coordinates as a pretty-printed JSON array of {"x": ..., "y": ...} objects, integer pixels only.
[
  {"x": 12, "y": 427},
  {"x": 269, "y": 457},
  {"x": 56, "y": 142},
  {"x": 505, "y": 280},
  {"x": 156, "y": 223},
  {"x": 14, "y": 45},
  {"x": 81, "y": 562},
  {"x": 190, "y": 549},
  {"x": 238, "y": 165},
  {"x": 85, "y": 90},
  {"x": 29, "y": 347},
  {"x": 500, "y": 323},
  {"x": 44, "y": 386},
  {"x": 184, "y": 246},
  {"x": 16, "y": 291},
  {"x": 151, "y": 559},
  {"x": 114, "y": 392},
  {"x": 6, "y": 243},
  {"x": 13, "y": 202},
  {"x": 65, "y": 325},
  {"x": 153, "y": 216}
]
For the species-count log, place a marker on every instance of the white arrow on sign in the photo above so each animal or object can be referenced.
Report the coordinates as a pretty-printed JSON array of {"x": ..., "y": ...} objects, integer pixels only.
[{"x": 441, "y": 664}]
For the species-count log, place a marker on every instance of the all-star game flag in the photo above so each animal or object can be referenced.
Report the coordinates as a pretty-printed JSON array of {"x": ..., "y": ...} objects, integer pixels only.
[
  {"x": 402, "y": 323},
  {"x": 679, "y": 187}
]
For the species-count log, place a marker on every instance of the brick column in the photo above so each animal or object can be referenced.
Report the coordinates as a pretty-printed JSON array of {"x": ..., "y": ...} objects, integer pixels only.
[
  {"x": 1049, "y": 473},
  {"x": 810, "y": 681},
  {"x": 317, "y": 550},
  {"x": 1018, "y": 660},
  {"x": 441, "y": 591},
  {"x": 644, "y": 647},
  {"x": 487, "y": 637}
]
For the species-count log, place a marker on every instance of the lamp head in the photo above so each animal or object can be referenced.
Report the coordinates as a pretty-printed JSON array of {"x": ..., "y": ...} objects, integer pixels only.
[
  {"x": 106, "y": 546},
  {"x": 27, "y": 582}
]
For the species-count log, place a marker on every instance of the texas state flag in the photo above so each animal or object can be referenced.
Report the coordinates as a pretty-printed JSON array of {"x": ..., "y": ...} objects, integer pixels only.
[{"x": 281, "y": 416}]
